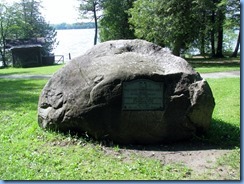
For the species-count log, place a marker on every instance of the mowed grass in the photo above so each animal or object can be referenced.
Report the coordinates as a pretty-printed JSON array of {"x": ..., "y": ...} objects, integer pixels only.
[
  {"x": 218, "y": 67},
  {"x": 44, "y": 70},
  {"x": 226, "y": 116},
  {"x": 30, "y": 153}
]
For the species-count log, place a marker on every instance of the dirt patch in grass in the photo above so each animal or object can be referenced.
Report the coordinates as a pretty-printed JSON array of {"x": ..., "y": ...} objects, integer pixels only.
[{"x": 201, "y": 159}]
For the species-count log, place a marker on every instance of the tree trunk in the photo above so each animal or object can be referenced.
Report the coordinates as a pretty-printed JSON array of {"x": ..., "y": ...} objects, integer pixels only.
[
  {"x": 176, "y": 48},
  {"x": 202, "y": 47},
  {"x": 234, "y": 54},
  {"x": 3, "y": 51},
  {"x": 221, "y": 18},
  {"x": 3, "y": 56},
  {"x": 4, "y": 62},
  {"x": 213, "y": 34},
  {"x": 96, "y": 26},
  {"x": 219, "y": 53}
]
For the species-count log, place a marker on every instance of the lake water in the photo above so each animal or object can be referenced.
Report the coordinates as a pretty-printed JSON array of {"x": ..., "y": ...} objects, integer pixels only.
[{"x": 73, "y": 41}]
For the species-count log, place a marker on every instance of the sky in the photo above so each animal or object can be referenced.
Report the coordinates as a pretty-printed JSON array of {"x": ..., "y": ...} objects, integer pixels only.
[{"x": 59, "y": 11}]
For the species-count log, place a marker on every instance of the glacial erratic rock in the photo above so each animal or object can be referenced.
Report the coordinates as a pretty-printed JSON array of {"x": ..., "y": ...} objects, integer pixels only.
[{"x": 129, "y": 91}]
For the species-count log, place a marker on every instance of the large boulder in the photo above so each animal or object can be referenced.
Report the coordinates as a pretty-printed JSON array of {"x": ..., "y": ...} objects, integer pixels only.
[{"x": 129, "y": 91}]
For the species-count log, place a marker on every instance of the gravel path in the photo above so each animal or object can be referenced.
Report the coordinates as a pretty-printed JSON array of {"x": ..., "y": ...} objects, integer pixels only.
[
  {"x": 221, "y": 74},
  {"x": 204, "y": 75},
  {"x": 20, "y": 76}
]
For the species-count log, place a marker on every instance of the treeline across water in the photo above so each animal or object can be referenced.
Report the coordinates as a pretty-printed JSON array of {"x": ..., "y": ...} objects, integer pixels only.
[{"x": 85, "y": 25}]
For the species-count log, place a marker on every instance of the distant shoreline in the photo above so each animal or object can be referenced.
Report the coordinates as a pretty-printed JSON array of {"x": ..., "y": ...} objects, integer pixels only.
[
  {"x": 66, "y": 26},
  {"x": 71, "y": 28}
]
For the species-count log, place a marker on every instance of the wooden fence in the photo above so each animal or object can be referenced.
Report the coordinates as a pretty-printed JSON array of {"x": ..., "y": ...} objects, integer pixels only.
[{"x": 60, "y": 58}]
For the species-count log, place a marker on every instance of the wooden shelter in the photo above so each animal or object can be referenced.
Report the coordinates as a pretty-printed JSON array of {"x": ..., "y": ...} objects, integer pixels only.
[
  {"x": 26, "y": 55},
  {"x": 28, "y": 52}
]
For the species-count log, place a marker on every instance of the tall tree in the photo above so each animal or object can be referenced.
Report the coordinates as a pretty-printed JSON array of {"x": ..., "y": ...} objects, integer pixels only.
[
  {"x": 8, "y": 27},
  {"x": 213, "y": 14},
  {"x": 114, "y": 22},
  {"x": 233, "y": 19},
  {"x": 145, "y": 18},
  {"x": 33, "y": 24},
  {"x": 170, "y": 23},
  {"x": 235, "y": 52},
  {"x": 90, "y": 9},
  {"x": 205, "y": 29},
  {"x": 220, "y": 16}
]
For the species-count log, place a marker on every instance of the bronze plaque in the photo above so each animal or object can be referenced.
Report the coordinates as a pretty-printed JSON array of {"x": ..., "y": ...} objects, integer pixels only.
[{"x": 142, "y": 94}]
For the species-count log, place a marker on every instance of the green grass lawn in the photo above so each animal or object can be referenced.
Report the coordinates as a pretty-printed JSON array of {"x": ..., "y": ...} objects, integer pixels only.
[
  {"x": 226, "y": 116},
  {"x": 212, "y": 67},
  {"x": 44, "y": 70},
  {"x": 29, "y": 153},
  {"x": 208, "y": 65}
]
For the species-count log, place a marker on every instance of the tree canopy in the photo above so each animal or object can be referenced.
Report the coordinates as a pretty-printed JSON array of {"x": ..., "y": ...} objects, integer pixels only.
[
  {"x": 168, "y": 23},
  {"x": 182, "y": 24},
  {"x": 179, "y": 25},
  {"x": 114, "y": 23}
]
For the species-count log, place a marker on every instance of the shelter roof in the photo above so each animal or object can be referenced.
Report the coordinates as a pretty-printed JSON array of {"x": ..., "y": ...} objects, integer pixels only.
[{"x": 24, "y": 43}]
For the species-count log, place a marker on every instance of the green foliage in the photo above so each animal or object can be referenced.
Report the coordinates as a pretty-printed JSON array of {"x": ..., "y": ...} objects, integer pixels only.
[
  {"x": 89, "y": 7},
  {"x": 145, "y": 19},
  {"x": 181, "y": 25},
  {"x": 168, "y": 23},
  {"x": 212, "y": 35},
  {"x": 9, "y": 26},
  {"x": 31, "y": 18},
  {"x": 33, "y": 24},
  {"x": 233, "y": 16},
  {"x": 114, "y": 22},
  {"x": 233, "y": 20}
]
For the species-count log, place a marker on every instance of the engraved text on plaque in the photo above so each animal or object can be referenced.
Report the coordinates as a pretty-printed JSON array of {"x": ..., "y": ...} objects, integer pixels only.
[{"x": 142, "y": 94}]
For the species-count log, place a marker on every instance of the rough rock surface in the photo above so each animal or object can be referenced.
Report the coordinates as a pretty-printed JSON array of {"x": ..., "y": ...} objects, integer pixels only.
[{"x": 86, "y": 95}]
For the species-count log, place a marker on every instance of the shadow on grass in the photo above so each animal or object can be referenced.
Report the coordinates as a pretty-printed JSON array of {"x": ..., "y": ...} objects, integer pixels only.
[
  {"x": 18, "y": 94},
  {"x": 221, "y": 135},
  {"x": 14, "y": 73}
]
